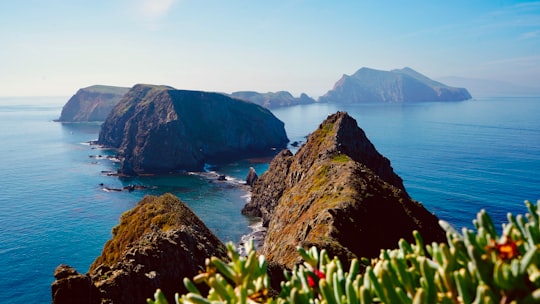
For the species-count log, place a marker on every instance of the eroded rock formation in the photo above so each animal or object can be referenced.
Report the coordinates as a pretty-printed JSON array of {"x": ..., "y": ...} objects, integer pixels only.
[
  {"x": 337, "y": 192},
  {"x": 93, "y": 103},
  {"x": 156, "y": 245},
  {"x": 158, "y": 129}
]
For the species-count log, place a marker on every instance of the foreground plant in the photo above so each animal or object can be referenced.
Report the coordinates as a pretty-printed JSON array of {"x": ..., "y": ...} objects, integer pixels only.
[{"x": 472, "y": 267}]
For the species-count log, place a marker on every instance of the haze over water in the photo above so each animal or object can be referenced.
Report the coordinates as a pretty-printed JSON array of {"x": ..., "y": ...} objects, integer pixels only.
[{"x": 455, "y": 158}]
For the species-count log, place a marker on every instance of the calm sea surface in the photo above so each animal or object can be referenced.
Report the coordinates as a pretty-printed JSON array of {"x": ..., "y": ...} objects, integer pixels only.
[{"x": 455, "y": 158}]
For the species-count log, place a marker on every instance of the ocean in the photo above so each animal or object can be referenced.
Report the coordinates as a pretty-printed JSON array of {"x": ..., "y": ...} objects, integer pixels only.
[{"x": 454, "y": 157}]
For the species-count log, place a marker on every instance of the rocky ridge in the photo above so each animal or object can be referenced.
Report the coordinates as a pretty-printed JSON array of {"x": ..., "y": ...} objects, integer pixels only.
[
  {"x": 156, "y": 245},
  {"x": 400, "y": 85},
  {"x": 273, "y": 99},
  {"x": 337, "y": 192},
  {"x": 92, "y": 103},
  {"x": 158, "y": 129}
]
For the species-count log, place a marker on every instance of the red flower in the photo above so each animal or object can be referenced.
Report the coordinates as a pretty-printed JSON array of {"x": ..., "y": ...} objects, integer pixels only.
[
  {"x": 320, "y": 274},
  {"x": 311, "y": 281},
  {"x": 313, "y": 277}
]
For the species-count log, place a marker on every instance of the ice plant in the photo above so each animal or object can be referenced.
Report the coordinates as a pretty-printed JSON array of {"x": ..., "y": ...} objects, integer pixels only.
[{"x": 474, "y": 266}]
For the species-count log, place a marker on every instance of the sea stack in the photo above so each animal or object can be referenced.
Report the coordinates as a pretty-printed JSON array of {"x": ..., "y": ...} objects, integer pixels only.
[
  {"x": 158, "y": 129},
  {"x": 338, "y": 193},
  {"x": 93, "y": 103}
]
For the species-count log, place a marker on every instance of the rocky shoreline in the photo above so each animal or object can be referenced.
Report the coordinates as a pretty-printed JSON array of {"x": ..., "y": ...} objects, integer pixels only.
[{"x": 336, "y": 193}]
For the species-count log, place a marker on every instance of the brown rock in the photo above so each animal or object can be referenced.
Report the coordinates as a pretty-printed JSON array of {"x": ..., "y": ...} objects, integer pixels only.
[
  {"x": 156, "y": 245},
  {"x": 336, "y": 193}
]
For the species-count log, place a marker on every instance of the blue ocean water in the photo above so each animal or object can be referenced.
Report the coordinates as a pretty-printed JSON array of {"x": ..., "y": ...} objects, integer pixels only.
[{"x": 455, "y": 158}]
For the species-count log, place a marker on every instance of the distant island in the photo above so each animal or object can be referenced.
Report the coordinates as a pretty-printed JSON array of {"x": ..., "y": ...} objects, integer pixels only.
[
  {"x": 273, "y": 99},
  {"x": 92, "y": 103},
  {"x": 158, "y": 129},
  {"x": 404, "y": 85}
]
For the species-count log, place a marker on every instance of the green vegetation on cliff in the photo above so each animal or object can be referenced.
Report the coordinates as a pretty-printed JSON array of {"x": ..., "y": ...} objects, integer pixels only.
[
  {"x": 151, "y": 213},
  {"x": 470, "y": 267}
]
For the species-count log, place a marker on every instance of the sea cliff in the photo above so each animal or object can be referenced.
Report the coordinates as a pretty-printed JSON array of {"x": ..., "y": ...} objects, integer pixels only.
[
  {"x": 158, "y": 129},
  {"x": 337, "y": 192},
  {"x": 93, "y": 103}
]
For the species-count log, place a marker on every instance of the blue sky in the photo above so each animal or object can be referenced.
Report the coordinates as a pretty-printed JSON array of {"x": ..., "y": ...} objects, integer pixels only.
[{"x": 54, "y": 47}]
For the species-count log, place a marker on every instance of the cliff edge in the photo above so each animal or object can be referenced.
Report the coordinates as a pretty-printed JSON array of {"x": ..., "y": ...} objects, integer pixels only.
[
  {"x": 92, "y": 103},
  {"x": 158, "y": 129},
  {"x": 337, "y": 192},
  {"x": 155, "y": 245}
]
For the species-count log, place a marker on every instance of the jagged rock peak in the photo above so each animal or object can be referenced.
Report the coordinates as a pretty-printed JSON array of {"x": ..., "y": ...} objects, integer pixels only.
[
  {"x": 157, "y": 243},
  {"x": 92, "y": 103},
  {"x": 337, "y": 192},
  {"x": 158, "y": 129},
  {"x": 340, "y": 134}
]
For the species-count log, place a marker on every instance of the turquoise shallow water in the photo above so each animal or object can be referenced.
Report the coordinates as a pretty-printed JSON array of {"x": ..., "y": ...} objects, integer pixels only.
[{"x": 455, "y": 158}]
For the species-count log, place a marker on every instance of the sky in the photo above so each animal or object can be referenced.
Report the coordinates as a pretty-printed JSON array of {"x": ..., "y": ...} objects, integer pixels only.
[{"x": 55, "y": 47}]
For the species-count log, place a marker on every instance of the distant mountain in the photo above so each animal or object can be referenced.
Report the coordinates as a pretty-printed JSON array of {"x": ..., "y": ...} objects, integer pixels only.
[
  {"x": 273, "y": 99},
  {"x": 404, "y": 85},
  {"x": 93, "y": 103},
  {"x": 488, "y": 87},
  {"x": 158, "y": 129}
]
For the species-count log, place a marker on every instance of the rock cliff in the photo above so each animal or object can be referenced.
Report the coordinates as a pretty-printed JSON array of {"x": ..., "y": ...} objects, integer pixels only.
[
  {"x": 158, "y": 129},
  {"x": 337, "y": 192},
  {"x": 93, "y": 103},
  {"x": 273, "y": 99},
  {"x": 404, "y": 85},
  {"x": 156, "y": 245}
]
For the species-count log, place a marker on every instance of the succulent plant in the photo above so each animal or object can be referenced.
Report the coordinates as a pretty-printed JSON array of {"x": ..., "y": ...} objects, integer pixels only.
[{"x": 474, "y": 266}]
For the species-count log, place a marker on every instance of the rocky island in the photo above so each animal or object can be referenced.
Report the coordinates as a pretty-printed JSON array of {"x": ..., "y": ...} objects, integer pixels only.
[
  {"x": 158, "y": 129},
  {"x": 339, "y": 193},
  {"x": 400, "y": 85},
  {"x": 273, "y": 99},
  {"x": 92, "y": 103}
]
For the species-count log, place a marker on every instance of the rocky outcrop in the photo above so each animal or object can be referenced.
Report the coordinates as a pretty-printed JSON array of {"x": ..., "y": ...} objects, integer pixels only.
[
  {"x": 156, "y": 245},
  {"x": 273, "y": 99},
  {"x": 404, "y": 85},
  {"x": 93, "y": 103},
  {"x": 158, "y": 129},
  {"x": 337, "y": 192},
  {"x": 252, "y": 177}
]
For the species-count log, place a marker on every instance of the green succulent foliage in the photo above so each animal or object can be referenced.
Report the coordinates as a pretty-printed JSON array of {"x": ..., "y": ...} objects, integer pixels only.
[{"x": 474, "y": 266}]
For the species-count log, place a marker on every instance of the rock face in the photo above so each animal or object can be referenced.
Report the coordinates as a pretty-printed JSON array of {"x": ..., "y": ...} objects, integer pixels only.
[
  {"x": 273, "y": 99},
  {"x": 156, "y": 245},
  {"x": 158, "y": 129},
  {"x": 405, "y": 85},
  {"x": 92, "y": 103},
  {"x": 337, "y": 193}
]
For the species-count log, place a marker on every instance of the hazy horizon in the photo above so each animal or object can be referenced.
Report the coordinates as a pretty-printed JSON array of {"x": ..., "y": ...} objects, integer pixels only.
[{"x": 227, "y": 46}]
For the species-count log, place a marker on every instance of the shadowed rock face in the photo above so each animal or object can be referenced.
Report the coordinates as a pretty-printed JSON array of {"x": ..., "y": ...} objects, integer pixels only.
[
  {"x": 158, "y": 129},
  {"x": 156, "y": 245},
  {"x": 404, "y": 85},
  {"x": 337, "y": 193},
  {"x": 92, "y": 103}
]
